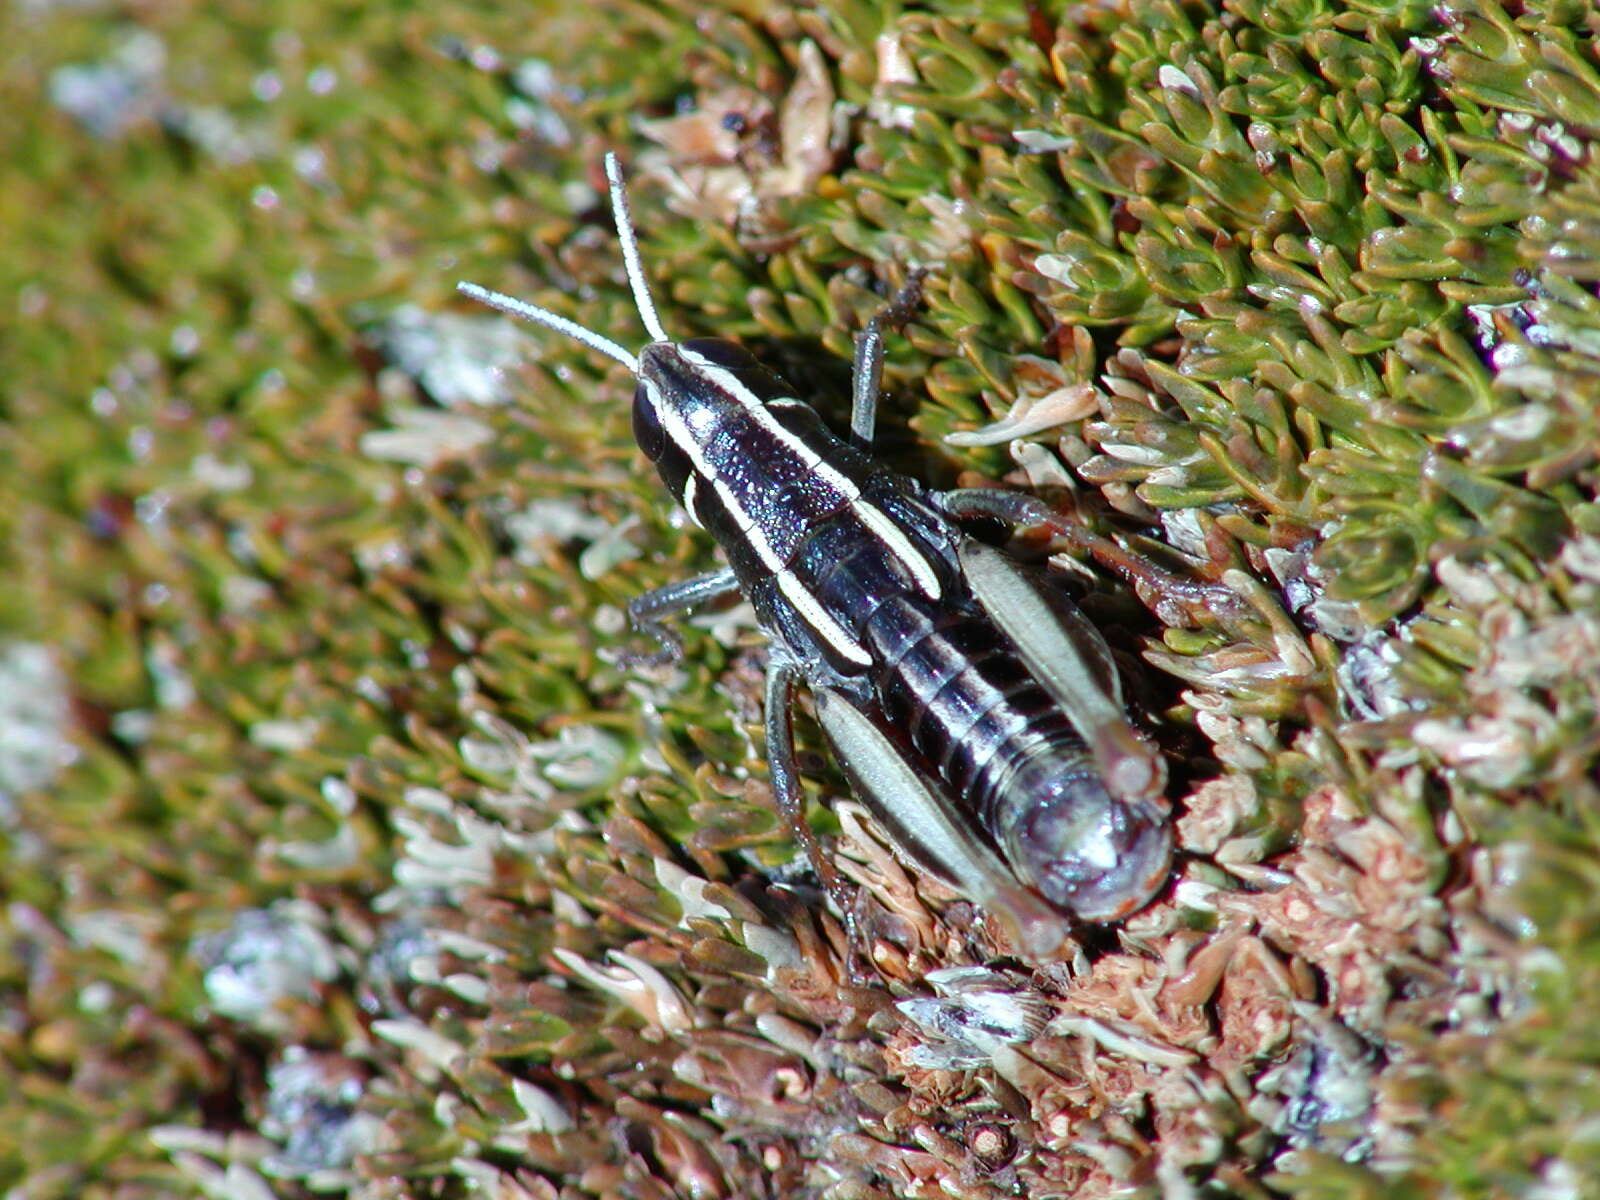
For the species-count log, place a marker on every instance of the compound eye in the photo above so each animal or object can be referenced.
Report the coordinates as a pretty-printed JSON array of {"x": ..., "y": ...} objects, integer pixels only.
[
  {"x": 647, "y": 429},
  {"x": 720, "y": 352}
]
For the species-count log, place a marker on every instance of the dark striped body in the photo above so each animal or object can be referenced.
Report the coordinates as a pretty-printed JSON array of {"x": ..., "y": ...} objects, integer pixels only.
[
  {"x": 853, "y": 572},
  {"x": 978, "y": 714},
  {"x": 955, "y": 689}
]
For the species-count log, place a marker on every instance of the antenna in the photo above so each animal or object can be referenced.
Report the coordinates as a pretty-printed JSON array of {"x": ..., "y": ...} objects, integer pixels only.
[
  {"x": 630, "y": 252},
  {"x": 522, "y": 310}
]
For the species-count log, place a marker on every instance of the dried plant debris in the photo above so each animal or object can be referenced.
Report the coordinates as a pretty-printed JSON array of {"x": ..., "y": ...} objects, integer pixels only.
[{"x": 344, "y": 854}]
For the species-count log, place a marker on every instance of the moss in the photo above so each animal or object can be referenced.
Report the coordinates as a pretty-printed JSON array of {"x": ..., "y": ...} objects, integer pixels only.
[{"x": 339, "y": 850}]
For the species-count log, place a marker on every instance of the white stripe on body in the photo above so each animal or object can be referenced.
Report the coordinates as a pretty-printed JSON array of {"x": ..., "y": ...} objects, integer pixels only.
[
  {"x": 691, "y": 494},
  {"x": 875, "y": 519},
  {"x": 794, "y": 591}
]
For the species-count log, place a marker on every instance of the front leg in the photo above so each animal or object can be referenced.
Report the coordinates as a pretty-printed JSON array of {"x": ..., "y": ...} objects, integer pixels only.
[{"x": 647, "y": 612}]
